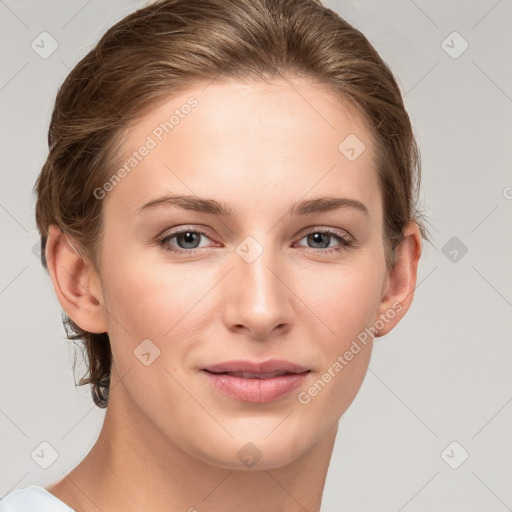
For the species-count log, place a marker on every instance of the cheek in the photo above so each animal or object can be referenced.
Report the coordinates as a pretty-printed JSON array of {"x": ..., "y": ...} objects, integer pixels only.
[
  {"x": 343, "y": 299},
  {"x": 160, "y": 303}
]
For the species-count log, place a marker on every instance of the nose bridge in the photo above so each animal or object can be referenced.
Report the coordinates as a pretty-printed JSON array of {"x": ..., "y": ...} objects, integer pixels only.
[{"x": 256, "y": 260}]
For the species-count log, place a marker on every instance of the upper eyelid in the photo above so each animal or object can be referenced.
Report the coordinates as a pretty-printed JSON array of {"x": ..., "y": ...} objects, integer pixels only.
[
  {"x": 178, "y": 231},
  {"x": 330, "y": 230}
]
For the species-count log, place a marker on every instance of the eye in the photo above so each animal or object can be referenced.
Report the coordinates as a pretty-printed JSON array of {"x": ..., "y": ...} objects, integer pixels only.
[
  {"x": 187, "y": 239},
  {"x": 323, "y": 237}
]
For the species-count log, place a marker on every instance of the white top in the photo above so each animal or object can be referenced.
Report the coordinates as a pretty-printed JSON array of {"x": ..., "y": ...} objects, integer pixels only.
[{"x": 32, "y": 499}]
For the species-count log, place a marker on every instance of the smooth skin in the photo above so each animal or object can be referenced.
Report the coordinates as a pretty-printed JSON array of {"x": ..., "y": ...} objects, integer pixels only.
[{"x": 170, "y": 440}]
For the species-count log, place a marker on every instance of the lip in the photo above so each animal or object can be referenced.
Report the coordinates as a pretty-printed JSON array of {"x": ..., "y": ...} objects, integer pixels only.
[
  {"x": 271, "y": 365},
  {"x": 251, "y": 388}
]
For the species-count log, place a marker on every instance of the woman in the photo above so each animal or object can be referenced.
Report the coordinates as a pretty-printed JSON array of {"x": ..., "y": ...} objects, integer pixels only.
[{"x": 228, "y": 214}]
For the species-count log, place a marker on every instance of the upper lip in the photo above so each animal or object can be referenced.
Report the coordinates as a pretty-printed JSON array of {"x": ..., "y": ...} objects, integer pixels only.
[{"x": 269, "y": 366}]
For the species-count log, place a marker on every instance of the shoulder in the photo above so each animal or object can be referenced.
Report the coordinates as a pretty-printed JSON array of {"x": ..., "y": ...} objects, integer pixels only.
[{"x": 31, "y": 499}]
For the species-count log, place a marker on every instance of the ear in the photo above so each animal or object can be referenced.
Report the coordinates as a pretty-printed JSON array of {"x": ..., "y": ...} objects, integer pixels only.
[
  {"x": 398, "y": 290},
  {"x": 76, "y": 282}
]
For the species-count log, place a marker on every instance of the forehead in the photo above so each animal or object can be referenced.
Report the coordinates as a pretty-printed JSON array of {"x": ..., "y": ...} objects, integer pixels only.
[{"x": 271, "y": 142}]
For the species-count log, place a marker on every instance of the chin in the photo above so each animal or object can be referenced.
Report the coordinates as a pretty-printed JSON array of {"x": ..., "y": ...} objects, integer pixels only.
[{"x": 252, "y": 453}]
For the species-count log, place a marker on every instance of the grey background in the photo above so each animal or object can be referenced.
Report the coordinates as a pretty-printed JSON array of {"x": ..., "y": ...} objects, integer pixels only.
[{"x": 442, "y": 375}]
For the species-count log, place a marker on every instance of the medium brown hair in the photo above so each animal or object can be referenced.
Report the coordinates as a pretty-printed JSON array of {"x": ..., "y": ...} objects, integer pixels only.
[{"x": 167, "y": 46}]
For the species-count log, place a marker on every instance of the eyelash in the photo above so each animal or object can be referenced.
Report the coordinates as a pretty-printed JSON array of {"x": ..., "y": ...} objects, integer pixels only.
[{"x": 346, "y": 242}]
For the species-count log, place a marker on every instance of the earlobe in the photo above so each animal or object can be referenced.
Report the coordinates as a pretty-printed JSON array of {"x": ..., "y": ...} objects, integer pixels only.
[
  {"x": 400, "y": 282},
  {"x": 75, "y": 282}
]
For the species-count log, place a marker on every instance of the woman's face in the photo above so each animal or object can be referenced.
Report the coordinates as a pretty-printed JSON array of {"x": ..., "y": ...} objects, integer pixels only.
[{"x": 262, "y": 283}]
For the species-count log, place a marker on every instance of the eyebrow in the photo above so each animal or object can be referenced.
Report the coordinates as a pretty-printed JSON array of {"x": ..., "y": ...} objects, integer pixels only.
[{"x": 210, "y": 206}]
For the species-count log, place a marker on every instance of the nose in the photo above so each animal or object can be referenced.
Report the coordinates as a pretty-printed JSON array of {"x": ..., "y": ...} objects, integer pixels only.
[{"x": 258, "y": 293}]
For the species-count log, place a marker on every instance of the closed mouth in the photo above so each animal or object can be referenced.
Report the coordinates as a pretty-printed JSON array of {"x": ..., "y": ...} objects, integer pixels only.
[{"x": 250, "y": 375}]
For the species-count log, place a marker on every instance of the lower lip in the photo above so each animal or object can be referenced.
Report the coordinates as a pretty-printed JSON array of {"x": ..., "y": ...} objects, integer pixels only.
[{"x": 257, "y": 391}]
